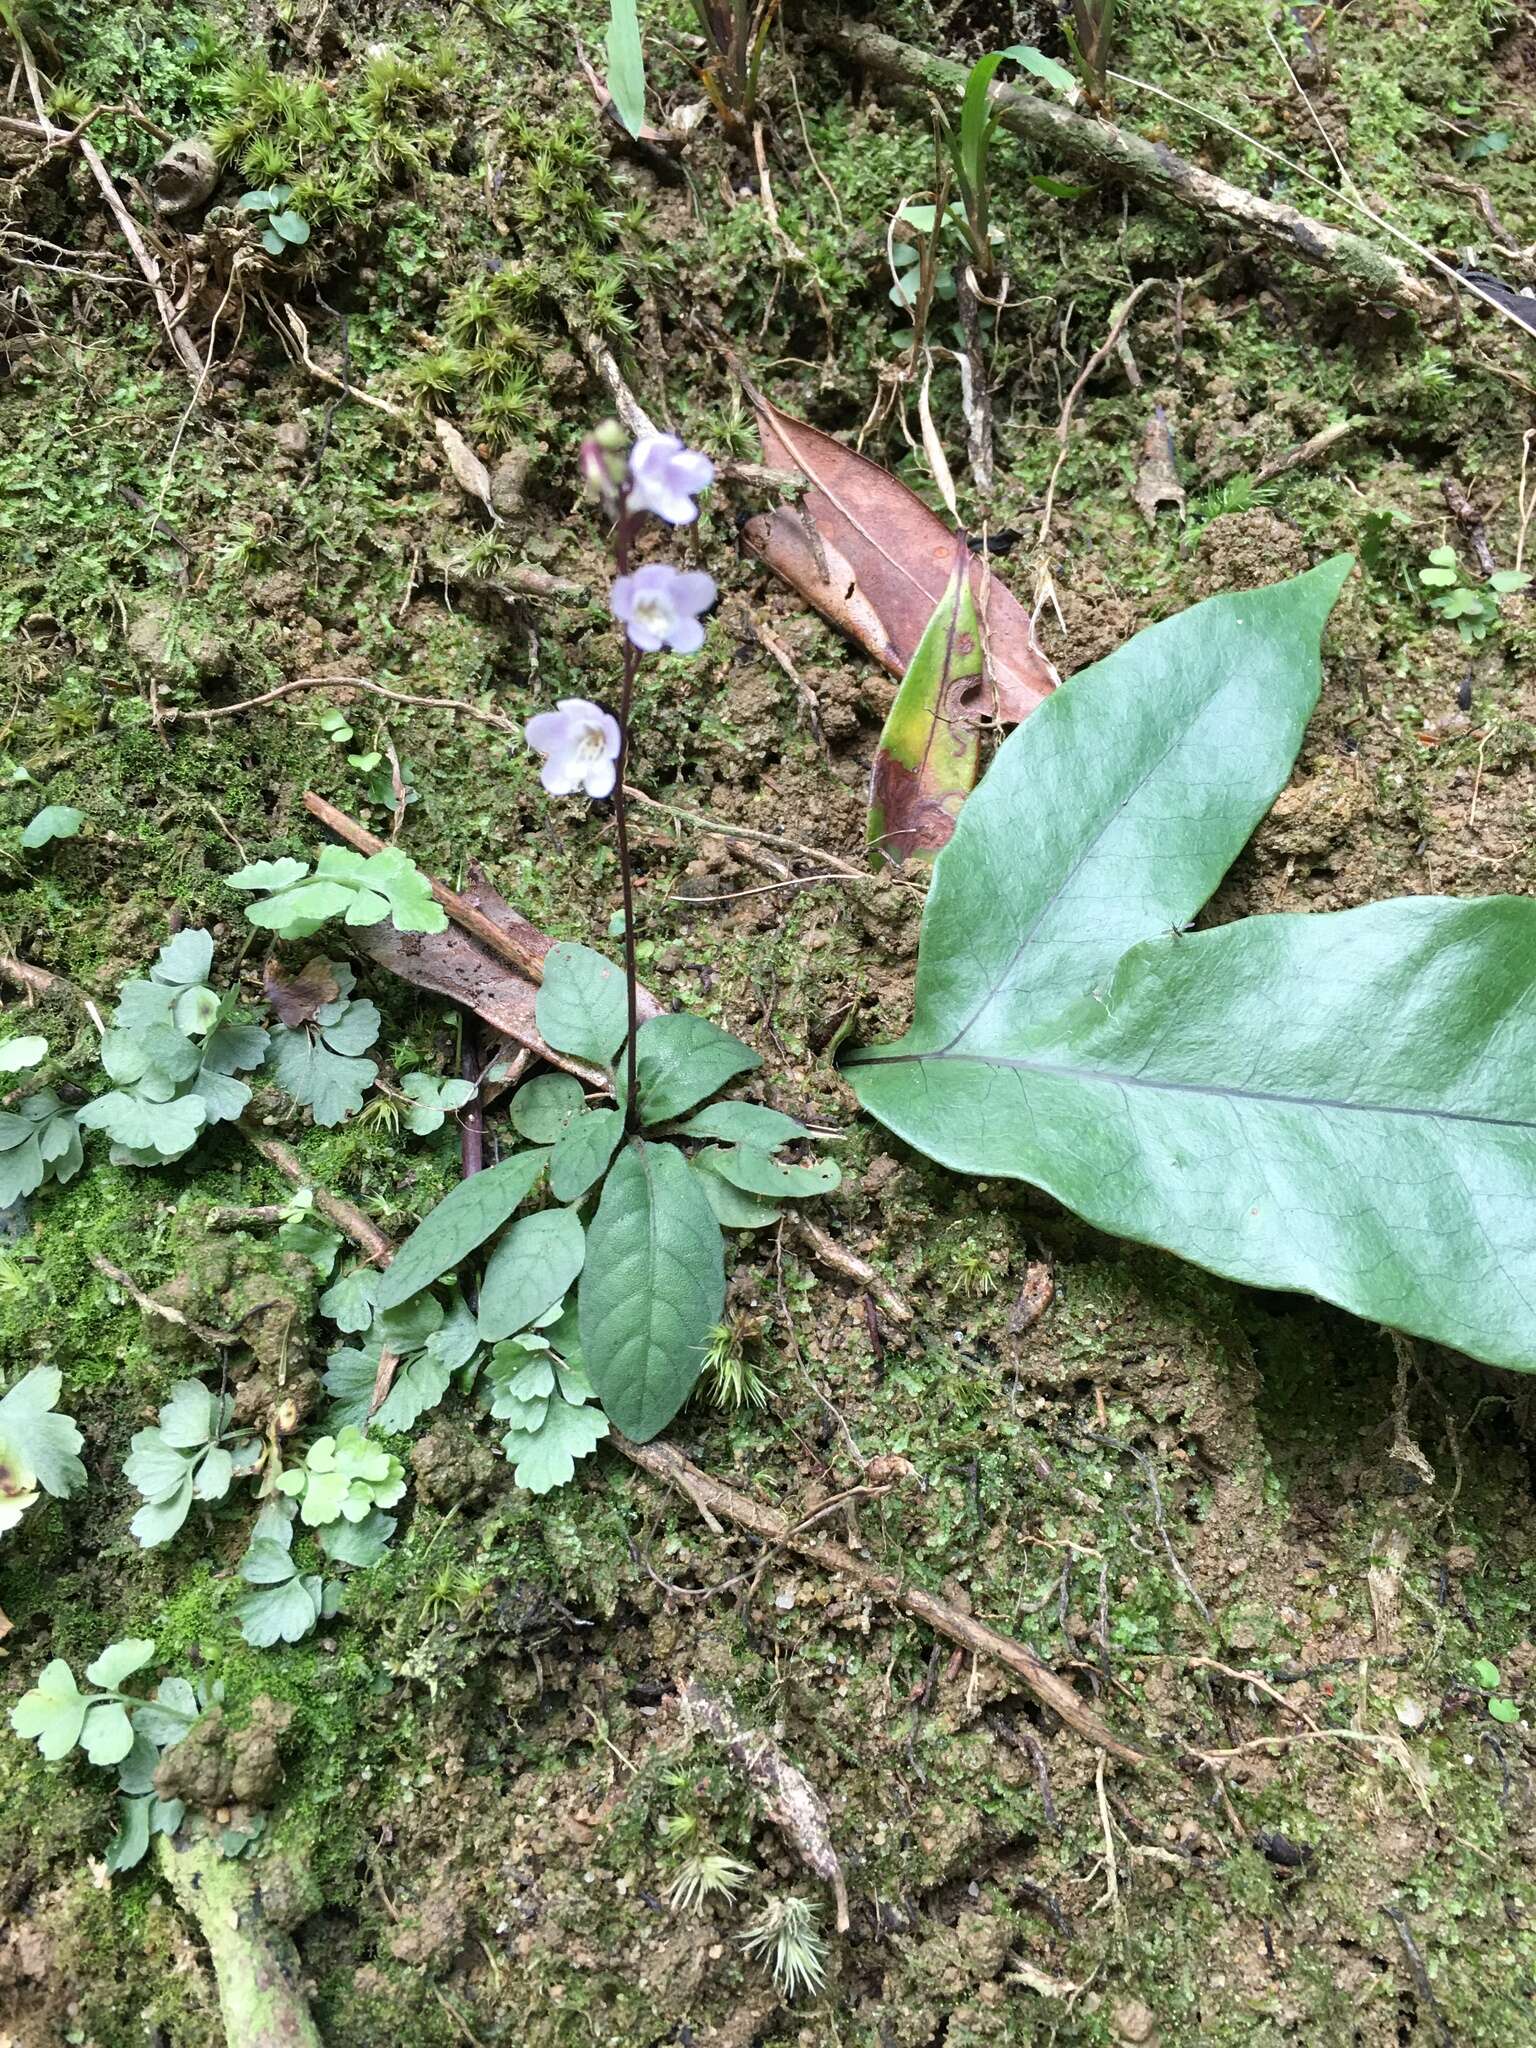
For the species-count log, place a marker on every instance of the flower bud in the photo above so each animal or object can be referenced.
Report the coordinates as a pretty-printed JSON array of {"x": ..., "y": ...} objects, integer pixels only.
[{"x": 604, "y": 465}]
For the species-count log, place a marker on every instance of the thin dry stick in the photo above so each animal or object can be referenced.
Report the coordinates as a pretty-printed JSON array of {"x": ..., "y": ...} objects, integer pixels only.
[
  {"x": 350, "y": 1221},
  {"x": 1099, "y": 357},
  {"x": 625, "y": 403},
  {"x": 1308, "y": 451},
  {"x": 1457, "y": 278},
  {"x": 496, "y": 938},
  {"x": 347, "y": 386},
  {"x": 664, "y": 1461},
  {"x": 161, "y": 1309},
  {"x": 850, "y": 1265},
  {"x": 770, "y": 888},
  {"x": 453, "y": 704},
  {"x": 1527, "y": 501},
  {"x": 59, "y": 138},
  {"x": 773, "y": 839}
]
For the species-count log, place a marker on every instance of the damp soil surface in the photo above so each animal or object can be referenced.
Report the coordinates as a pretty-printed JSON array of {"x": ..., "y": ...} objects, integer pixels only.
[{"x": 1273, "y": 1549}]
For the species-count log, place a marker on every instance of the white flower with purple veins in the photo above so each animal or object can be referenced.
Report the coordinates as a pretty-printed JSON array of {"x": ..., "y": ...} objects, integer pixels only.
[
  {"x": 580, "y": 745},
  {"x": 665, "y": 478},
  {"x": 659, "y": 606}
]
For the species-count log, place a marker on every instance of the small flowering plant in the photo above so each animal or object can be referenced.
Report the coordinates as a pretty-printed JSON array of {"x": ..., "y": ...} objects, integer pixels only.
[
  {"x": 661, "y": 609},
  {"x": 616, "y": 1293}
]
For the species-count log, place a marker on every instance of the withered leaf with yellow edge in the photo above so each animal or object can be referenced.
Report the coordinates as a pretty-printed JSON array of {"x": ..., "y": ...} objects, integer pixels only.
[{"x": 925, "y": 765}]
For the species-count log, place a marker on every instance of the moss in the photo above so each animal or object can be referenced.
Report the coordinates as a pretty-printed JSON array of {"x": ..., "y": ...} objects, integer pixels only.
[{"x": 485, "y": 1715}]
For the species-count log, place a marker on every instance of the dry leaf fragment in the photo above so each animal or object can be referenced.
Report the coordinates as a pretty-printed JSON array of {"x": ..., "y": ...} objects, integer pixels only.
[
  {"x": 1157, "y": 473},
  {"x": 297, "y": 998},
  {"x": 469, "y": 472},
  {"x": 871, "y": 557}
]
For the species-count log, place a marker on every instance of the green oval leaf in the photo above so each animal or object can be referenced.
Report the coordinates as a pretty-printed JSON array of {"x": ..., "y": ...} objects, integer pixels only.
[
  {"x": 582, "y": 1006},
  {"x": 755, "y": 1172},
  {"x": 582, "y": 1155},
  {"x": 681, "y": 1060},
  {"x": 460, "y": 1224},
  {"x": 543, "y": 1107},
  {"x": 733, "y": 1210},
  {"x": 652, "y": 1288},
  {"x": 529, "y": 1271},
  {"x": 744, "y": 1123},
  {"x": 53, "y": 821}
]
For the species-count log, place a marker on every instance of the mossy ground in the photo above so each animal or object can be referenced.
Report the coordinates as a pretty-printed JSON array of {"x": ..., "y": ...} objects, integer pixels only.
[{"x": 481, "y": 1750}]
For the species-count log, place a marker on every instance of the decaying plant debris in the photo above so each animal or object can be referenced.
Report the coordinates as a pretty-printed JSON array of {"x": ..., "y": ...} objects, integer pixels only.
[{"x": 1075, "y": 1646}]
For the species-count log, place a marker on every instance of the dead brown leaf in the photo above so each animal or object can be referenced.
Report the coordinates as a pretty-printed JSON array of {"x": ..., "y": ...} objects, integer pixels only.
[
  {"x": 469, "y": 472},
  {"x": 868, "y": 554},
  {"x": 450, "y": 964},
  {"x": 296, "y": 998},
  {"x": 1157, "y": 472}
]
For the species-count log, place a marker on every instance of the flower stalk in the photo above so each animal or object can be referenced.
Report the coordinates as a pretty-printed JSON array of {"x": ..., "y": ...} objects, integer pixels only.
[{"x": 586, "y": 748}]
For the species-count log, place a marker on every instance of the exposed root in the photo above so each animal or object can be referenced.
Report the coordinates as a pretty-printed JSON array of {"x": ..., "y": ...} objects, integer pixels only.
[
  {"x": 795, "y": 1806},
  {"x": 256, "y": 1966}
]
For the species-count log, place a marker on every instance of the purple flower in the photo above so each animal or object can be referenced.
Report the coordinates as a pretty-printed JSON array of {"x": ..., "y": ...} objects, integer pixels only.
[
  {"x": 580, "y": 745},
  {"x": 665, "y": 478},
  {"x": 660, "y": 606}
]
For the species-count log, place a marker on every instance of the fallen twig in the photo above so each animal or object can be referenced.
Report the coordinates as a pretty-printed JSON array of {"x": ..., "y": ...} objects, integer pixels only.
[
  {"x": 826, "y": 1248},
  {"x": 57, "y": 137},
  {"x": 41, "y": 981},
  {"x": 262, "y": 2003},
  {"x": 1421, "y": 1978},
  {"x": 664, "y": 1461},
  {"x": 242, "y": 1215},
  {"x": 1308, "y": 451},
  {"x": 162, "y": 1309},
  {"x": 1108, "y": 151},
  {"x": 794, "y": 1805},
  {"x": 1466, "y": 516},
  {"x": 507, "y": 943},
  {"x": 349, "y": 1220},
  {"x": 244, "y": 704},
  {"x": 773, "y": 839}
]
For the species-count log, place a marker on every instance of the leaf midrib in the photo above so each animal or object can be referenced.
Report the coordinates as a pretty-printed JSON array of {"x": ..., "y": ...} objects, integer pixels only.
[{"x": 1220, "y": 1091}]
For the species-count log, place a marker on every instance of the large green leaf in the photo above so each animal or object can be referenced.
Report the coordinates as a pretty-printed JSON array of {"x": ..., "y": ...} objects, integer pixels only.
[
  {"x": 1342, "y": 1105},
  {"x": 460, "y": 1224},
  {"x": 1115, "y": 809},
  {"x": 652, "y": 1288}
]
